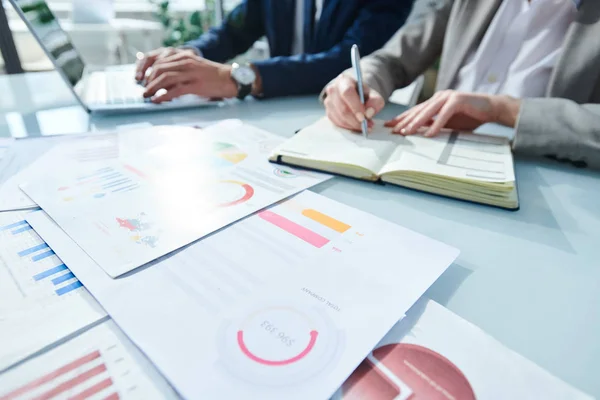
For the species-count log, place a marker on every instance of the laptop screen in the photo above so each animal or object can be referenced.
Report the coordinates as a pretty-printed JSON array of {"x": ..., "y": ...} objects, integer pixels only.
[{"x": 56, "y": 42}]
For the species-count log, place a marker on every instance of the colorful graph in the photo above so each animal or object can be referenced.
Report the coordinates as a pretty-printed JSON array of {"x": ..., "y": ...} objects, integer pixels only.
[
  {"x": 279, "y": 344},
  {"x": 227, "y": 154},
  {"x": 101, "y": 183},
  {"x": 55, "y": 270},
  {"x": 138, "y": 228},
  {"x": 80, "y": 379},
  {"x": 231, "y": 193},
  {"x": 407, "y": 371},
  {"x": 282, "y": 173},
  {"x": 279, "y": 335},
  {"x": 308, "y": 235}
]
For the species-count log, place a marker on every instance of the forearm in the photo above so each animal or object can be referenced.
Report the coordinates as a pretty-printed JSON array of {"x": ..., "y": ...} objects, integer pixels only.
[{"x": 560, "y": 129}]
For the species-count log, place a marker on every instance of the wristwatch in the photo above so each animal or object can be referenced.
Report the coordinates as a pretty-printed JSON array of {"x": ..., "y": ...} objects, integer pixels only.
[{"x": 244, "y": 77}]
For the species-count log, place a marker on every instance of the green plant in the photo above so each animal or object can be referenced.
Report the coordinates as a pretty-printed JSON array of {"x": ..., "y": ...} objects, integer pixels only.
[{"x": 183, "y": 27}]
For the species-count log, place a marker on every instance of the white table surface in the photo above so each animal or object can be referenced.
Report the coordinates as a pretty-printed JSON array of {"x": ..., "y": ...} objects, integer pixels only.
[{"x": 530, "y": 278}]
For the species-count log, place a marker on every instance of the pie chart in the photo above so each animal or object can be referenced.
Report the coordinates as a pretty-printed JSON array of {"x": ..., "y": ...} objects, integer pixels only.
[
  {"x": 227, "y": 154},
  {"x": 406, "y": 371}
]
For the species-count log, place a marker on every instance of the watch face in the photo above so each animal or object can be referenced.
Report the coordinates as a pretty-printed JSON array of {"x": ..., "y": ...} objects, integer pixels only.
[{"x": 244, "y": 75}]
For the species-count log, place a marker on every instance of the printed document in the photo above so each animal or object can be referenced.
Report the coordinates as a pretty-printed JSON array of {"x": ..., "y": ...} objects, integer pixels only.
[
  {"x": 100, "y": 363},
  {"x": 434, "y": 354},
  {"x": 41, "y": 301},
  {"x": 293, "y": 297},
  {"x": 185, "y": 183}
]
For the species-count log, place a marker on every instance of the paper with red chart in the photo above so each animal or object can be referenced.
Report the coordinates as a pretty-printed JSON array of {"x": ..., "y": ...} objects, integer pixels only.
[
  {"x": 284, "y": 304},
  {"x": 100, "y": 363},
  {"x": 189, "y": 183},
  {"x": 434, "y": 354}
]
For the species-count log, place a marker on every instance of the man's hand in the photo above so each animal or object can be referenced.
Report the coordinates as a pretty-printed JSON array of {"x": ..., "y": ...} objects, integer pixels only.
[
  {"x": 343, "y": 104},
  {"x": 186, "y": 73},
  {"x": 148, "y": 59},
  {"x": 456, "y": 110}
]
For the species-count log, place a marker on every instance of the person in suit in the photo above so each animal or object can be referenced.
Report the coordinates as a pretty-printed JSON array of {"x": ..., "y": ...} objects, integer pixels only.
[
  {"x": 531, "y": 65},
  {"x": 309, "y": 42}
]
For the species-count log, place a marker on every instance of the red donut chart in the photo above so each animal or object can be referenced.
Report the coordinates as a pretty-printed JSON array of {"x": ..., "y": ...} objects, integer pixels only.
[
  {"x": 276, "y": 363},
  {"x": 410, "y": 371},
  {"x": 248, "y": 193}
]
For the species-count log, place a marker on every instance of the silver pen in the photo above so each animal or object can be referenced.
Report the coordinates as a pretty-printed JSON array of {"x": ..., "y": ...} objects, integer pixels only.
[{"x": 355, "y": 57}]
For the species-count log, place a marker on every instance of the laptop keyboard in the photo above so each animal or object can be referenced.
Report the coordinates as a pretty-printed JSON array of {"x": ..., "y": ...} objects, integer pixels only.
[{"x": 121, "y": 88}]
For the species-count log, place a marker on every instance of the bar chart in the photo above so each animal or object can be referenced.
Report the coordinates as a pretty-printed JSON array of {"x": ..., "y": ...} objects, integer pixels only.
[
  {"x": 99, "y": 364},
  {"x": 311, "y": 226},
  {"x": 102, "y": 182},
  {"x": 35, "y": 270}
]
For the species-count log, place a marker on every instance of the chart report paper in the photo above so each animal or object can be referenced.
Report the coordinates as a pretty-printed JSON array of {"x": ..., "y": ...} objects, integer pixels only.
[
  {"x": 41, "y": 301},
  {"x": 17, "y": 164},
  {"x": 434, "y": 354},
  {"x": 125, "y": 213},
  {"x": 284, "y": 304},
  {"x": 101, "y": 363}
]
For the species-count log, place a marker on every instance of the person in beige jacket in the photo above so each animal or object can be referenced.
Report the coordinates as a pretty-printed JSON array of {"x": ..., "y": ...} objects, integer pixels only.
[{"x": 529, "y": 64}]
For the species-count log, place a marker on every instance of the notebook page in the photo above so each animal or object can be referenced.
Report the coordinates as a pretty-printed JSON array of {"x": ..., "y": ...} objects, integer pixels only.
[
  {"x": 456, "y": 155},
  {"x": 323, "y": 141}
]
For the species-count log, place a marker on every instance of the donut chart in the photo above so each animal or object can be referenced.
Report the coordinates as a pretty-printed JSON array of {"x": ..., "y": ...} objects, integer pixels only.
[
  {"x": 278, "y": 344},
  {"x": 403, "y": 371},
  {"x": 234, "y": 193},
  {"x": 282, "y": 173},
  {"x": 300, "y": 356}
]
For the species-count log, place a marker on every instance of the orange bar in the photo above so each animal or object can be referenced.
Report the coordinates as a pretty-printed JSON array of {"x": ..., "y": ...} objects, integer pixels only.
[{"x": 326, "y": 220}]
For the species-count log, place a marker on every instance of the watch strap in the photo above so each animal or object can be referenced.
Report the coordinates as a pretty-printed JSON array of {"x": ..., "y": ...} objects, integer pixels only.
[{"x": 243, "y": 91}]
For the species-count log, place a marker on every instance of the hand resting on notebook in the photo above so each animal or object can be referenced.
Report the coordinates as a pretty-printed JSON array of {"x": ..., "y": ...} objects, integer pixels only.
[{"x": 446, "y": 109}]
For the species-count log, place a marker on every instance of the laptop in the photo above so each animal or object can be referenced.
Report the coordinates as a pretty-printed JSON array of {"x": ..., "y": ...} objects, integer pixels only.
[{"x": 109, "y": 89}]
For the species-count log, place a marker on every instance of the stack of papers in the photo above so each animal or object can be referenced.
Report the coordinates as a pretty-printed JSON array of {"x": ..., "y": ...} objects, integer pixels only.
[
  {"x": 284, "y": 296},
  {"x": 280, "y": 299}
]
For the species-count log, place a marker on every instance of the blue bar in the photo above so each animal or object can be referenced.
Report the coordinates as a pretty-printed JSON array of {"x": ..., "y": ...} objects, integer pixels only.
[
  {"x": 39, "y": 257},
  {"x": 130, "y": 187},
  {"x": 63, "y": 278},
  {"x": 16, "y": 224},
  {"x": 98, "y": 172},
  {"x": 116, "y": 183},
  {"x": 68, "y": 288},
  {"x": 111, "y": 175},
  {"x": 49, "y": 272},
  {"x": 21, "y": 230},
  {"x": 33, "y": 249}
]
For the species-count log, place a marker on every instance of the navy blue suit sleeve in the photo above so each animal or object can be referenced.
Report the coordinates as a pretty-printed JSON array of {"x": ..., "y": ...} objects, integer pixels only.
[
  {"x": 242, "y": 27},
  {"x": 376, "y": 22}
]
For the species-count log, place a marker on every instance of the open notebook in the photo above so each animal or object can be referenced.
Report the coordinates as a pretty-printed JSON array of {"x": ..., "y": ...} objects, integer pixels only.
[{"x": 460, "y": 165}]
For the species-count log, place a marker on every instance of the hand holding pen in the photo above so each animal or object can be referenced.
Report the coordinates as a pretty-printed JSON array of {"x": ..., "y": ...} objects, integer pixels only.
[{"x": 343, "y": 102}]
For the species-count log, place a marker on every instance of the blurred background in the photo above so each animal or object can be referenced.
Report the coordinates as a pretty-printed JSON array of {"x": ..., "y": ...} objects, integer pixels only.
[{"x": 112, "y": 31}]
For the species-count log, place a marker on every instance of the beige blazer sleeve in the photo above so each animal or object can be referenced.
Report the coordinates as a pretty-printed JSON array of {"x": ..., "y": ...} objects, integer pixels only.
[
  {"x": 560, "y": 129},
  {"x": 409, "y": 53}
]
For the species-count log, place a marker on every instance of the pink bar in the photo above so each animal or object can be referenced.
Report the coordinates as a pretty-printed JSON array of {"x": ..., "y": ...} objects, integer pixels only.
[
  {"x": 89, "y": 392},
  {"x": 71, "y": 383},
  {"x": 299, "y": 231},
  {"x": 51, "y": 376}
]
